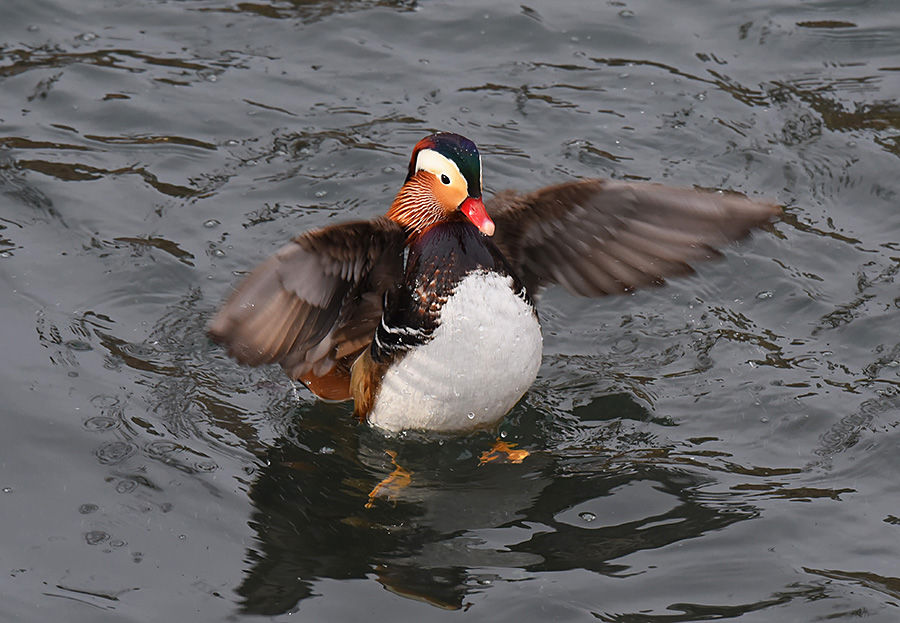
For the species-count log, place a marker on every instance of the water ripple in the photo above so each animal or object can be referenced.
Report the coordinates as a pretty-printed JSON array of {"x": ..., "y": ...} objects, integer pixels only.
[{"x": 115, "y": 452}]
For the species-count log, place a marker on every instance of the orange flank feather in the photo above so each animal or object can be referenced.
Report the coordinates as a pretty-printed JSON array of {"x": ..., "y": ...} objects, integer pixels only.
[
  {"x": 334, "y": 384},
  {"x": 365, "y": 381}
]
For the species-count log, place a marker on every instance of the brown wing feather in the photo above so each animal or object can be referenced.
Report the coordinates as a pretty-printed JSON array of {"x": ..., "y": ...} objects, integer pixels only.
[
  {"x": 597, "y": 237},
  {"x": 314, "y": 302}
]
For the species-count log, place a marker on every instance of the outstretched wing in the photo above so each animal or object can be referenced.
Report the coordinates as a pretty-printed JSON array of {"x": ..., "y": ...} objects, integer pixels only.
[
  {"x": 597, "y": 237},
  {"x": 316, "y": 300}
]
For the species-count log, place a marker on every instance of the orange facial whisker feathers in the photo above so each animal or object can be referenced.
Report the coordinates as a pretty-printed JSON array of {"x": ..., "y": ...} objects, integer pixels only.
[{"x": 416, "y": 207}]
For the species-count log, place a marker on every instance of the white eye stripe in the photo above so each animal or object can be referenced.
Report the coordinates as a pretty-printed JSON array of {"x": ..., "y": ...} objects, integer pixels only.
[{"x": 433, "y": 162}]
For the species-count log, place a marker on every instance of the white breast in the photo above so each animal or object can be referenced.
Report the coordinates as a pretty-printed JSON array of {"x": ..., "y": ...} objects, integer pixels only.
[{"x": 482, "y": 358}]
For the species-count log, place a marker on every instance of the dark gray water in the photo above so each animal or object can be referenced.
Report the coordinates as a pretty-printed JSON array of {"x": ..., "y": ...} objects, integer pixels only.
[{"x": 723, "y": 448}]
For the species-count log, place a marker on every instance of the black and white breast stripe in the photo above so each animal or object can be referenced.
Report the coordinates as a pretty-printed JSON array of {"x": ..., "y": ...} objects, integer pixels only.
[{"x": 435, "y": 264}]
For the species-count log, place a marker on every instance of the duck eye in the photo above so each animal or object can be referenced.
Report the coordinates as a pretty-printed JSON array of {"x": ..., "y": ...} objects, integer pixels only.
[{"x": 445, "y": 179}]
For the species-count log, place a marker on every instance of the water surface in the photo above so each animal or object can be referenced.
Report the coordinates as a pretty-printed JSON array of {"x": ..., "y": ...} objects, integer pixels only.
[{"x": 722, "y": 448}]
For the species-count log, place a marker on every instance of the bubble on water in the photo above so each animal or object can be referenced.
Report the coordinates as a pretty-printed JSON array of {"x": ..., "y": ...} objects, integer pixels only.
[
  {"x": 87, "y": 509},
  {"x": 587, "y": 516},
  {"x": 96, "y": 537},
  {"x": 470, "y": 415},
  {"x": 161, "y": 448},
  {"x": 625, "y": 345},
  {"x": 78, "y": 345},
  {"x": 100, "y": 423},
  {"x": 126, "y": 486},
  {"x": 626, "y": 13},
  {"x": 211, "y": 223},
  {"x": 87, "y": 36},
  {"x": 765, "y": 294},
  {"x": 104, "y": 400},
  {"x": 206, "y": 466}
]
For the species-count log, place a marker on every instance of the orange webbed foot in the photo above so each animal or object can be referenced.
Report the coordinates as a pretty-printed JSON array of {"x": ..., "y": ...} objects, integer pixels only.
[{"x": 503, "y": 452}]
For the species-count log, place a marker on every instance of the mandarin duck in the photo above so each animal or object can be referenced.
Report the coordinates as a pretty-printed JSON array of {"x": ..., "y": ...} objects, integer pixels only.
[{"x": 425, "y": 317}]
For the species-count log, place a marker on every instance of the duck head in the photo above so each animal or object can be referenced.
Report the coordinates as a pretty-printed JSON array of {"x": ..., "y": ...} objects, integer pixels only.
[{"x": 444, "y": 177}]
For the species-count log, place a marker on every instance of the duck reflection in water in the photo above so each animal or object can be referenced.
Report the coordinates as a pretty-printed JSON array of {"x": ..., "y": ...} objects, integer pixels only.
[{"x": 444, "y": 537}]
